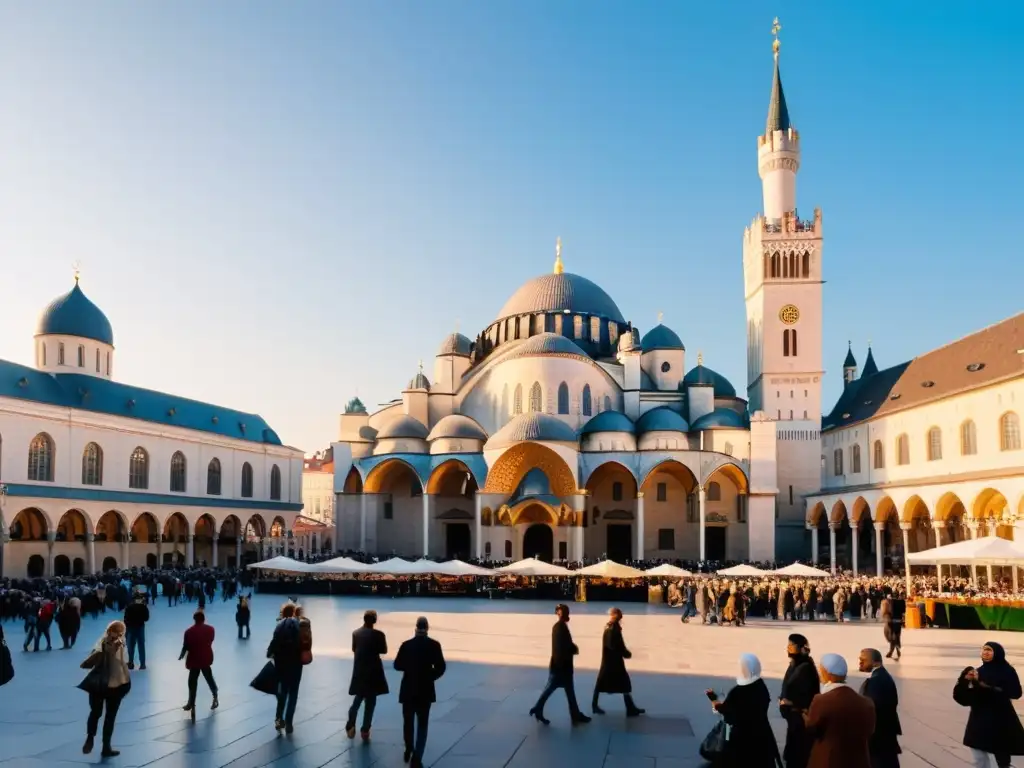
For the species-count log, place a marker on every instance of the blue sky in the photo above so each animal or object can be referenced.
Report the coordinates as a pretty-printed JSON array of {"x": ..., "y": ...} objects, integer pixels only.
[{"x": 281, "y": 205}]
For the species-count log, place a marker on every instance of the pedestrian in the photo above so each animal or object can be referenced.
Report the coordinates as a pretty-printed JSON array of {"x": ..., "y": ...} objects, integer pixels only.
[
  {"x": 751, "y": 742},
  {"x": 560, "y": 669},
  {"x": 893, "y": 612},
  {"x": 135, "y": 617},
  {"x": 690, "y": 606},
  {"x": 242, "y": 616},
  {"x": 197, "y": 650},
  {"x": 421, "y": 662},
  {"x": 285, "y": 650},
  {"x": 44, "y": 622},
  {"x": 993, "y": 727},
  {"x": 840, "y": 721},
  {"x": 368, "y": 679},
  {"x": 612, "y": 677},
  {"x": 109, "y": 652},
  {"x": 881, "y": 689},
  {"x": 799, "y": 687}
]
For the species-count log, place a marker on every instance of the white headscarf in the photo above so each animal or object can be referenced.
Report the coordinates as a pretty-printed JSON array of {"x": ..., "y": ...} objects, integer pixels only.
[{"x": 750, "y": 669}]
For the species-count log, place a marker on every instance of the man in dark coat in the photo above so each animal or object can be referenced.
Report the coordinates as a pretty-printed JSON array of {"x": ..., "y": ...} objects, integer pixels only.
[
  {"x": 612, "y": 676},
  {"x": 560, "y": 670},
  {"x": 799, "y": 687},
  {"x": 881, "y": 689},
  {"x": 421, "y": 663},
  {"x": 368, "y": 680}
]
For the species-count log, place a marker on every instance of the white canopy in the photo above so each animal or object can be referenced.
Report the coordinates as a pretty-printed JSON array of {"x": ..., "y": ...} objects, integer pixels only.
[
  {"x": 341, "y": 565},
  {"x": 395, "y": 566},
  {"x": 282, "y": 563},
  {"x": 799, "y": 570},
  {"x": 459, "y": 568},
  {"x": 743, "y": 570},
  {"x": 665, "y": 569},
  {"x": 532, "y": 567},
  {"x": 987, "y": 550},
  {"x": 609, "y": 569}
]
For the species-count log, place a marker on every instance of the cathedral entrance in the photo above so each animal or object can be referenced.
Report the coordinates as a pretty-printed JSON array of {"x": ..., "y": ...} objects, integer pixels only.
[
  {"x": 457, "y": 540},
  {"x": 619, "y": 543},
  {"x": 539, "y": 541},
  {"x": 714, "y": 542}
]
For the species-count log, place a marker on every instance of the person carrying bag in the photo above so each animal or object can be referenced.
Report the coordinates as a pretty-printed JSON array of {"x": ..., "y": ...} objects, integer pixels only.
[
  {"x": 6, "y": 662},
  {"x": 107, "y": 683}
]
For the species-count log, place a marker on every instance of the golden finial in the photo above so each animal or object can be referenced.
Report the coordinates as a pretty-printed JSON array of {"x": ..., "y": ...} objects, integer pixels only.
[
  {"x": 77, "y": 266},
  {"x": 559, "y": 268},
  {"x": 776, "y": 28},
  {"x": 421, "y": 366},
  {"x": 660, "y": 316},
  {"x": 700, "y": 358}
]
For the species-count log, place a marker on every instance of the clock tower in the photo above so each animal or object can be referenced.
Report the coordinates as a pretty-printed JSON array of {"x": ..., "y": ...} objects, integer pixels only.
[{"x": 782, "y": 276}]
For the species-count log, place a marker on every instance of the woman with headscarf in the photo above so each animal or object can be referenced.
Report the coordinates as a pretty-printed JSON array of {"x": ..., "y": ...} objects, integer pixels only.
[
  {"x": 612, "y": 676},
  {"x": 751, "y": 742},
  {"x": 993, "y": 727},
  {"x": 108, "y": 654}
]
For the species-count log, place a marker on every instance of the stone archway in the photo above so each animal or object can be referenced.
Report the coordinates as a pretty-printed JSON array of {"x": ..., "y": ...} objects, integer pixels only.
[
  {"x": 612, "y": 521},
  {"x": 539, "y": 542}
]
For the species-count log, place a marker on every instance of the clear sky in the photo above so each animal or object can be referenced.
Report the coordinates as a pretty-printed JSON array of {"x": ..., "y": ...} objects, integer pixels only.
[{"x": 282, "y": 205}]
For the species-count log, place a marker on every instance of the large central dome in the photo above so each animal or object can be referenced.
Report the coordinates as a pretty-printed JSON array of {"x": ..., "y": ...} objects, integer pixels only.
[{"x": 561, "y": 292}]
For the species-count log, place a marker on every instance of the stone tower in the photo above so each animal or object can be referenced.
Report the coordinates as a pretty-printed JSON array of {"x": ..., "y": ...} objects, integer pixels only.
[{"x": 782, "y": 275}]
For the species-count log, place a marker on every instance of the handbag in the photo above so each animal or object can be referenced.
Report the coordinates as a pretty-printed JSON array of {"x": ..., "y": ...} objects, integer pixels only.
[
  {"x": 98, "y": 678},
  {"x": 6, "y": 664},
  {"x": 266, "y": 680},
  {"x": 712, "y": 748},
  {"x": 92, "y": 660}
]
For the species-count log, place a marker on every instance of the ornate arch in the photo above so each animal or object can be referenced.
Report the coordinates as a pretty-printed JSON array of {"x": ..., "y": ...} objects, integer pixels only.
[
  {"x": 600, "y": 473},
  {"x": 839, "y": 512},
  {"x": 443, "y": 471},
  {"x": 949, "y": 505},
  {"x": 815, "y": 513},
  {"x": 886, "y": 510},
  {"x": 915, "y": 508},
  {"x": 112, "y": 518},
  {"x": 733, "y": 473},
  {"x": 510, "y": 468},
  {"x": 988, "y": 503},
  {"x": 69, "y": 518},
  {"x": 382, "y": 475},
  {"x": 150, "y": 532},
  {"x": 232, "y": 522},
  {"x": 675, "y": 469},
  {"x": 860, "y": 510},
  {"x": 35, "y": 524}
]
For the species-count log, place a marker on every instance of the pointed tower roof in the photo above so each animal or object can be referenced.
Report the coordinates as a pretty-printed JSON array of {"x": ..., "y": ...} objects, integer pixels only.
[
  {"x": 850, "y": 361},
  {"x": 870, "y": 366},
  {"x": 778, "y": 112}
]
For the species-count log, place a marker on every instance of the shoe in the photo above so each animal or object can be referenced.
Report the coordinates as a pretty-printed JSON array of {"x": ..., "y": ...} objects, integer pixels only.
[
  {"x": 215, "y": 703},
  {"x": 635, "y": 712},
  {"x": 406, "y": 755},
  {"x": 288, "y": 728},
  {"x": 597, "y": 710},
  {"x": 365, "y": 735},
  {"x": 131, "y": 665},
  {"x": 580, "y": 719},
  {"x": 536, "y": 713},
  {"x": 350, "y": 731},
  {"x": 87, "y": 747},
  {"x": 278, "y": 725},
  {"x": 142, "y": 667},
  {"x": 189, "y": 707},
  {"x": 108, "y": 752}
]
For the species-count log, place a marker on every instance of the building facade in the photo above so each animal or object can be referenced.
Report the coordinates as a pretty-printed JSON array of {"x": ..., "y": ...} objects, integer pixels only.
[
  {"x": 318, "y": 489},
  {"x": 95, "y": 474}
]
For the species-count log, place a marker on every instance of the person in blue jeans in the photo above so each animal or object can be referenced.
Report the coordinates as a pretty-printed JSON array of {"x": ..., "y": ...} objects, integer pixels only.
[
  {"x": 285, "y": 649},
  {"x": 135, "y": 617},
  {"x": 560, "y": 670}
]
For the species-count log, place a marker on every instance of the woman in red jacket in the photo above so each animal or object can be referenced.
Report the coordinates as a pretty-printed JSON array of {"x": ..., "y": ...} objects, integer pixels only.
[{"x": 198, "y": 648}]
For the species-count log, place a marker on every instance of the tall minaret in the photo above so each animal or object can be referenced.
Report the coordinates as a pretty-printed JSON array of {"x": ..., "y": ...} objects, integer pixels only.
[{"x": 782, "y": 275}]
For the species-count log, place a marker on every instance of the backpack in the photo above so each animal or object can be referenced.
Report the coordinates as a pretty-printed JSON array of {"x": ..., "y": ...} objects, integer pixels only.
[{"x": 305, "y": 642}]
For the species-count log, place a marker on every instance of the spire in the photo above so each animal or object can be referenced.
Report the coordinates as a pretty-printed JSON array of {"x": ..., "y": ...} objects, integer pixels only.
[
  {"x": 778, "y": 112},
  {"x": 850, "y": 361},
  {"x": 870, "y": 366},
  {"x": 559, "y": 267}
]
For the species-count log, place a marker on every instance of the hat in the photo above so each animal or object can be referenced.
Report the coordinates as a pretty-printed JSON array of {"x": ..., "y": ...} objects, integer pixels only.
[
  {"x": 750, "y": 669},
  {"x": 798, "y": 640},
  {"x": 834, "y": 664}
]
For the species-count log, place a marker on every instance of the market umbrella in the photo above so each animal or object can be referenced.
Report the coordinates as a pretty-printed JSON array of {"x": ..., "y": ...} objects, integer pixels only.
[
  {"x": 532, "y": 567},
  {"x": 459, "y": 568},
  {"x": 609, "y": 569},
  {"x": 282, "y": 563},
  {"x": 742, "y": 570},
  {"x": 671, "y": 571},
  {"x": 801, "y": 571},
  {"x": 986, "y": 550},
  {"x": 341, "y": 565}
]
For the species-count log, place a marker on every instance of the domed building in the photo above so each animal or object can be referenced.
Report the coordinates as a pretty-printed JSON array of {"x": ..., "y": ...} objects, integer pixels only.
[{"x": 100, "y": 475}]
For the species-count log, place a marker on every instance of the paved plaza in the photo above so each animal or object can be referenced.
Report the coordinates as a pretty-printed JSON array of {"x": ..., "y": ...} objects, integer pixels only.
[{"x": 497, "y": 653}]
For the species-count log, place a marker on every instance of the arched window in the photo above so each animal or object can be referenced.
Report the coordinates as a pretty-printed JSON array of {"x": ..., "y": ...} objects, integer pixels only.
[
  {"x": 60, "y": 353},
  {"x": 837, "y": 461},
  {"x": 789, "y": 342},
  {"x": 535, "y": 402},
  {"x": 275, "y": 483},
  {"x": 714, "y": 492},
  {"x": 213, "y": 478},
  {"x": 81, "y": 356},
  {"x": 607, "y": 403},
  {"x": 40, "y": 458},
  {"x": 97, "y": 360},
  {"x": 178, "y": 466},
  {"x": 807, "y": 264},
  {"x": 247, "y": 480},
  {"x": 577, "y": 327},
  {"x": 879, "y": 460},
  {"x": 1009, "y": 432},
  {"x": 563, "y": 398},
  {"x": 613, "y": 333},
  {"x": 517, "y": 400},
  {"x": 43, "y": 350},
  {"x": 775, "y": 264},
  {"x": 855, "y": 459},
  {"x": 595, "y": 330},
  {"x": 934, "y": 444},
  {"x": 586, "y": 405},
  {"x": 138, "y": 469},
  {"x": 902, "y": 450},
  {"x": 108, "y": 363},
  {"x": 92, "y": 465},
  {"x": 968, "y": 439}
]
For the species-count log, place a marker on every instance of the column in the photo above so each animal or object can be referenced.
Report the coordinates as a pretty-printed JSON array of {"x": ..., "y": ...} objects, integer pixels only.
[
  {"x": 238, "y": 552},
  {"x": 576, "y": 532},
  {"x": 126, "y": 561},
  {"x": 190, "y": 551},
  {"x": 972, "y": 529},
  {"x": 879, "y": 543},
  {"x": 639, "y": 525},
  {"x": 478, "y": 544},
  {"x": 90, "y": 551},
  {"x": 905, "y": 527},
  {"x": 832, "y": 546},
  {"x": 426, "y": 524},
  {"x": 854, "y": 537},
  {"x": 51, "y": 537},
  {"x": 814, "y": 544},
  {"x": 701, "y": 499},
  {"x": 938, "y": 526},
  {"x": 213, "y": 564},
  {"x": 362, "y": 522},
  {"x": 159, "y": 551}
]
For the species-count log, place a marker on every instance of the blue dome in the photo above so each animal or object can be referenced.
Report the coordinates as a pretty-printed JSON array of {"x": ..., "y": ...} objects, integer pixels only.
[
  {"x": 532, "y": 426},
  {"x": 74, "y": 315},
  {"x": 661, "y": 420},
  {"x": 661, "y": 337},
  {"x": 609, "y": 421},
  {"x": 702, "y": 375},
  {"x": 534, "y": 483},
  {"x": 561, "y": 292},
  {"x": 720, "y": 418},
  {"x": 455, "y": 344}
]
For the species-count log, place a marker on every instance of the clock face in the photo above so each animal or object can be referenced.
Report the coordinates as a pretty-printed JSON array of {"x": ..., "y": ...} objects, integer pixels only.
[{"x": 789, "y": 314}]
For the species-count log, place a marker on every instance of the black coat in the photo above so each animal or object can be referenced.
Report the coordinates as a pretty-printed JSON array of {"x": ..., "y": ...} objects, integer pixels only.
[
  {"x": 881, "y": 689},
  {"x": 562, "y": 650},
  {"x": 751, "y": 741},
  {"x": 612, "y": 677},
  {"x": 368, "y": 678},
  {"x": 799, "y": 685},
  {"x": 993, "y": 725},
  {"x": 421, "y": 663}
]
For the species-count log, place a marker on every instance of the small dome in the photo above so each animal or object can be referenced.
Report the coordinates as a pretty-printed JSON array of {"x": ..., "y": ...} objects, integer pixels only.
[
  {"x": 720, "y": 418},
  {"x": 704, "y": 376},
  {"x": 608, "y": 421},
  {"x": 545, "y": 344},
  {"x": 457, "y": 425},
  {"x": 355, "y": 405},
  {"x": 661, "y": 337},
  {"x": 562, "y": 292},
  {"x": 455, "y": 344},
  {"x": 661, "y": 420},
  {"x": 403, "y": 426},
  {"x": 74, "y": 315},
  {"x": 532, "y": 426},
  {"x": 419, "y": 381}
]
